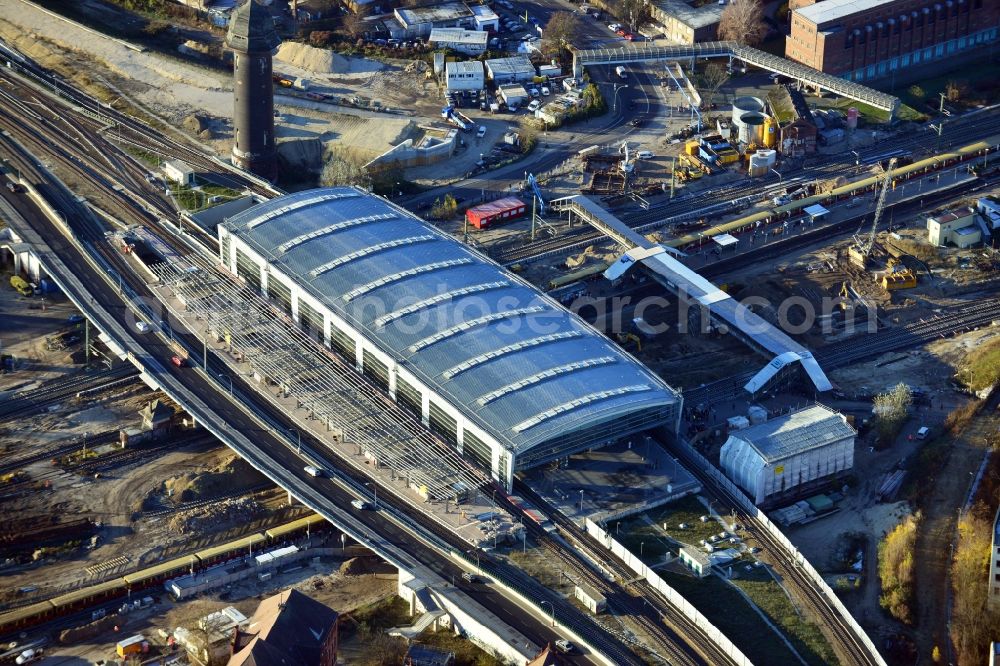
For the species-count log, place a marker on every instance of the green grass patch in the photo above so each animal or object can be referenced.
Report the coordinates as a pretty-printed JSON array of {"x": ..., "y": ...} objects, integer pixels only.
[
  {"x": 654, "y": 537},
  {"x": 869, "y": 113},
  {"x": 981, "y": 81},
  {"x": 806, "y": 636},
  {"x": 144, "y": 156},
  {"x": 729, "y": 612},
  {"x": 188, "y": 198},
  {"x": 982, "y": 366},
  {"x": 465, "y": 651},
  {"x": 220, "y": 190}
]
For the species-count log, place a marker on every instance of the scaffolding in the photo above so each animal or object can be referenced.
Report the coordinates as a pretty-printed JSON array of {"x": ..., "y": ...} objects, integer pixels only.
[{"x": 284, "y": 358}]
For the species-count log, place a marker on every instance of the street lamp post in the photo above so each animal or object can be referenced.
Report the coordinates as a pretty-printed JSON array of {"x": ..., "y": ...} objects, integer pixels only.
[
  {"x": 777, "y": 173},
  {"x": 857, "y": 161},
  {"x": 614, "y": 100},
  {"x": 222, "y": 376},
  {"x": 553, "y": 609},
  {"x": 374, "y": 492},
  {"x": 298, "y": 435}
]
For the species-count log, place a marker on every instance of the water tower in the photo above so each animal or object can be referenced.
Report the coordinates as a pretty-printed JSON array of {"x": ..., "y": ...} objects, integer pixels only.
[{"x": 253, "y": 40}]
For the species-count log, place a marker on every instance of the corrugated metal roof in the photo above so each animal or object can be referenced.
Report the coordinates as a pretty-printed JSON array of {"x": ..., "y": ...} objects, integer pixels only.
[
  {"x": 498, "y": 206},
  {"x": 460, "y": 36},
  {"x": 797, "y": 432},
  {"x": 516, "y": 363},
  {"x": 834, "y": 10}
]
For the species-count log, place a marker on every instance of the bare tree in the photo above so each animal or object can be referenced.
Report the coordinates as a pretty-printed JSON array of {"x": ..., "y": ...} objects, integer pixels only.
[
  {"x": 742, "y": 21},
  {"x": 354, "y": 23},
  {"x": 715, "y": 76},
  {"x": 560, "y": 31},
  {"x": 631, "y": 11},
  {"x": 342, "y": 168}
]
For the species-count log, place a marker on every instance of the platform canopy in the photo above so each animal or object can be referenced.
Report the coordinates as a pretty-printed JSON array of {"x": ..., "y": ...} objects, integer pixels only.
[
  {"x": 725, "y": 240},
  {"x": 816, "y": 211}
]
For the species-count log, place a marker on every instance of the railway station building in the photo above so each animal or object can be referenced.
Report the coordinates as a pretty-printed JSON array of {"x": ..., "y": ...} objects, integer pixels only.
[{"x": 496, "y": 368}]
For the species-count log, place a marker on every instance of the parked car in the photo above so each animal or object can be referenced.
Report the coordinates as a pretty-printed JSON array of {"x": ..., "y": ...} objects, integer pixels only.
[
  {"x": 645, "y": 154},
  {"x": 533, "y": 92},
  {"x": 545, "y": 91},
  {"x": 481, "y": 132},
  {"x": 534, "y": 106},
  {"x": 565, "y": 646},
  {"x": 613, "y": 27}
]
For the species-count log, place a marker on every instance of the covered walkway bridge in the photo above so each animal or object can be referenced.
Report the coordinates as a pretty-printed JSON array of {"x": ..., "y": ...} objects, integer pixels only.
[{"x": 751, "y": 56}]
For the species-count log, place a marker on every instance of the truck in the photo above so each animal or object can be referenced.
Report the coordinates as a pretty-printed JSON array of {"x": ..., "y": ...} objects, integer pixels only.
[
  {"x": 621, "y": 72},
  {"x": 28, "y": 656},
  {"x": 457, "y": 118},
  {"x": 21, "y": 285}
]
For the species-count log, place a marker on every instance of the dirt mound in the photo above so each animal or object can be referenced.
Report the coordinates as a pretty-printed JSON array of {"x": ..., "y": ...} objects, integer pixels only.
[
  {"x": 231, "y": 474},
  {"x": 323, "y": 61},
  {"x": 194, "y": 123},
  {"x": 217, "y": 516},
  {"x": 357, "y": 566}
]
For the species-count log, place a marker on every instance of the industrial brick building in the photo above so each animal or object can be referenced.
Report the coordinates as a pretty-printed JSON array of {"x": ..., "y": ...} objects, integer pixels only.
[
  {"x": 865, "y": 40},
  {"x": 498, "y": 370},
  {"x": 780, "y": 457}
]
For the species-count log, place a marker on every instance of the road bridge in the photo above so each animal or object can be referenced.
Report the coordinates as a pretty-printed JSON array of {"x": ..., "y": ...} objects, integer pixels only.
[{"x": 691, "y": 52}]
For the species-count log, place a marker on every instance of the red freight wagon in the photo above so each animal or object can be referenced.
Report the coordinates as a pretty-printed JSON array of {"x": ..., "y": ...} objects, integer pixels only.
[{"x": 501, "y": 210}]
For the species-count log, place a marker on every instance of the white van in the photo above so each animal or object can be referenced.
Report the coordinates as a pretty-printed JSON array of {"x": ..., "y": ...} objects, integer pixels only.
[
  {"x": 923, "y": 432},
  {"x": 312, "y": 470},
  {"x": 534, "y": 106}
]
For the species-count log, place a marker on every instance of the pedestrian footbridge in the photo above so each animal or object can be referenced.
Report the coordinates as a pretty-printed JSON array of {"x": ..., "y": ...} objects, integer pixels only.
[{"x": 733, "y": 51}]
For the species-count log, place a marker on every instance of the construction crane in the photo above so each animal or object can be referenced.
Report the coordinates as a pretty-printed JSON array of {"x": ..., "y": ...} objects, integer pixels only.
[{"x": 860, "y": 252}]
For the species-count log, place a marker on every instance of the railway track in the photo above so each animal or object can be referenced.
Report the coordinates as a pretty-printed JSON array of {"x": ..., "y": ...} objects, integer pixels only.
[
  {"x": 847, "y": 644},
  {"x": 639, "y": 603},
  {"x": 721, "y": 199},
  {"x": 26, "y": 403},
  {"x": 956, "y": 319}
]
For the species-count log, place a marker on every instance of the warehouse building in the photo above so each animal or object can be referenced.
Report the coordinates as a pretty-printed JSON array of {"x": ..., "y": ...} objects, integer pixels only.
[
  {"x": 465, "y": 75},
  {"x": 959, "y": 227},
  {"x": 791, "y": 453},
  {"x": 515, "y": 69},
  {"x": 469, "y": 42},
  {"x": 879, "y": 39},
  {"x": 494, "y": 367},
  {"x": 419, "y": 21}
]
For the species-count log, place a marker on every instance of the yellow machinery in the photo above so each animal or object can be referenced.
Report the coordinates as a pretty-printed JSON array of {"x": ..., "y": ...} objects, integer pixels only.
[
  {"x": 21, "y": 285},
  {"x": 901, "y": 279},
  {"x": 630, "y": 337},
  {"x": 691, "y": 147},
  {"x": 898, "y": 276},
  {"x": 861, "y": 250}
]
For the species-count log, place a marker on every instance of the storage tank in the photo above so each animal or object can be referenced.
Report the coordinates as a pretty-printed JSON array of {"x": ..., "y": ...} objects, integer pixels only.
[
  {"x": 751, "y": 128},
  {"x": 770, "y": 131},
  {"x": 852, "y": 118},
  {"x": 746, "y": 104}
]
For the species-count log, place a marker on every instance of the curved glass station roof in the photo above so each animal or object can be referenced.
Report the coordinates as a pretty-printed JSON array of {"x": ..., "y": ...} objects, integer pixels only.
[{"x": 517, "y": 364}]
